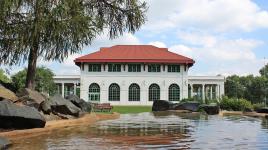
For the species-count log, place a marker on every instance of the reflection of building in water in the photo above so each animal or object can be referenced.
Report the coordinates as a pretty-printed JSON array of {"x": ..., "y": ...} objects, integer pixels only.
[{"x": 137, "y": 75}]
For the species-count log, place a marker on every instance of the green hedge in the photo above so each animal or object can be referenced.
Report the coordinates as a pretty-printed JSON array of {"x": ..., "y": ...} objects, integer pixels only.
[{"x": 233, "y": 104}]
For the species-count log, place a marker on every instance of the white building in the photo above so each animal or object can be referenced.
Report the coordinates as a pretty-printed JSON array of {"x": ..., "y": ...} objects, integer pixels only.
[{"x": 137, "y": 75}]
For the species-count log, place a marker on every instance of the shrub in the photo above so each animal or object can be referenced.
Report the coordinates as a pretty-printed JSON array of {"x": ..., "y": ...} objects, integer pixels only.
[
  {"x": 258, "y": 106},
  {"x": 188, "y": 100},
  {"x": 235, "y": 104}
]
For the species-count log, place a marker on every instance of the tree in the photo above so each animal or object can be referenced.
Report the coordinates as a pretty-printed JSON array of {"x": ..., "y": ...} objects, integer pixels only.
[
  {"x": 53, "y": 29},
  {"x": 3, "y": 77},
  {"x": 44, "y": 80},
  {"x": 264, "y": 71}
]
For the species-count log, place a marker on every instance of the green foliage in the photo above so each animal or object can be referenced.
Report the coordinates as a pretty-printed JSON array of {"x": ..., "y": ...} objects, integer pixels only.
[
  {"x": 264, "y": 71},
  {"x": 249, "y": 87},
  {"x": 62, "y": 27},
  {"x": 258, "y": 106},
  {"x": 52, "y": 30},
  {"x": 187, "y": 100},
  {"x": 233, "y": 104},
  {"x": 3, "y": 77},
  {"x": 44, "y": 80}
]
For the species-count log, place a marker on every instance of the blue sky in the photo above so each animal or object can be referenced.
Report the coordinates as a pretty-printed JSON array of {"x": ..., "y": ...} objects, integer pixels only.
[{"x": 223, "y": 36}]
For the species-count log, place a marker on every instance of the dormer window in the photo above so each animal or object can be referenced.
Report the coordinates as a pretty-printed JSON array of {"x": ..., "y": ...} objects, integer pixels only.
[{"x": 114, "y": 67}]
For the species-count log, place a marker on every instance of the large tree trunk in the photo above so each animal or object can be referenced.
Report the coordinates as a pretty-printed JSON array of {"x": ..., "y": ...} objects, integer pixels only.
[{"x": 32, "y": 59}]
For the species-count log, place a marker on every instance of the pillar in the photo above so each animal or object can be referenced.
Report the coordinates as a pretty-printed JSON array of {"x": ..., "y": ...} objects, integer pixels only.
[
  {"x": 203, "y": 92},
  {"x": 211, "y": 92},
  {"x": 62, "y": 90},
  {"x": 192, "y": 89},
  {"x": 74, "y": 88}
]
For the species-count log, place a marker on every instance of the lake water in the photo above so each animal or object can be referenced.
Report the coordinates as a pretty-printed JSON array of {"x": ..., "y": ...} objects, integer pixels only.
[{"x": 163, "y": 130}]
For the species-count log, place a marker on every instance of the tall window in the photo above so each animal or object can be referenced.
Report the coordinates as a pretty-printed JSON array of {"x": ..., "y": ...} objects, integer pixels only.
[
  {"x": 154, "y": 92},
  {"x": 174, "y": 92},
  {"x": 134, "y": 92},
  {"x": 173, "y": 68},
  {"x": 114, "y": 92},
  {"x": 134, "y": 68},
  {"x": 114, "y": 67},
  {"x": 94, "y": 68},
  {"x": 154, "y": 67},
  {"x": 94, "y": 92}
]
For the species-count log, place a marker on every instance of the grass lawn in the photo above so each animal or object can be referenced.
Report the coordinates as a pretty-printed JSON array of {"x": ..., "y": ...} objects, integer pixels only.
[{"x": 131, "y": 109}]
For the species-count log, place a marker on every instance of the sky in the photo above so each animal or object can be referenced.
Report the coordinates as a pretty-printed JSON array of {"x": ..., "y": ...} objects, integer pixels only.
[{"x": 223, "y": 36}]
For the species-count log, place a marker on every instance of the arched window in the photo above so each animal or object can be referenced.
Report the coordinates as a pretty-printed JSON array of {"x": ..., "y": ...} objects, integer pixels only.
[
  {"x": 114, "y": 92},
  {"x": 94, "y": 92},
  {"x": 134, "y": 92},
  {"x": 154, "y": 92},
  {"x": 174, "y": 92}
]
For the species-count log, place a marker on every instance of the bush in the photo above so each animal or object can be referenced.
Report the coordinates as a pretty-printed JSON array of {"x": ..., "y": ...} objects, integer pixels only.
[
  {"x": 258, "y": 106},
  {"x": 235, "y": 104}
]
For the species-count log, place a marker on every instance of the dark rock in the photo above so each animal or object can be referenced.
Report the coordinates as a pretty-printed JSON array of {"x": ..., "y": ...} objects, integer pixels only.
[
  {"x": 4, "y": 143},
  {"x": 45, "y": 107},
  {"x": 161, "y": 105},
  {"x": 7, "y": 94},
  {"x": 30, "y": 97},
  {"x": 191, "y": 106},
  {"x": 262, "y": 110},
  {"x": 210, "y": 109},
  {"x": 63, "y": 106},
  {"x": 84, "y": 106},
  {"x": 19, "y": 117}
]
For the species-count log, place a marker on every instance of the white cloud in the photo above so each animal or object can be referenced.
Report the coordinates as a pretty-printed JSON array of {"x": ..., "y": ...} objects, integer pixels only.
[
  {"x": 158, "y": 44},
  {"x": 182, "y": 50},
  {"x": 217, "y": 15},
  {"x": 68, "y": 66}
]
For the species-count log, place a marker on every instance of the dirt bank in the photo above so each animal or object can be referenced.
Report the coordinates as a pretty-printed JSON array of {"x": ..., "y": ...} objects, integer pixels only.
[
  {"x": 58, "y": 124},
  {"x": 250, "y": 114}
]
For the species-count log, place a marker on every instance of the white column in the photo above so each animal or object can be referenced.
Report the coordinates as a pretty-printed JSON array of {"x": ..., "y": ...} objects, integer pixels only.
[
  {"x": 203, "y": 92},
  {"x": 62, "y": 89},
  {"x": 74, "y": 88},
  {"x": 211, "y": 92},
  {"x": 192, "y": 90}
]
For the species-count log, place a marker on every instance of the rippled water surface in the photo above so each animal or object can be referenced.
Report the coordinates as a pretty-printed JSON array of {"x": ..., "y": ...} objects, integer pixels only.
[{"x": 163, "y": 130}]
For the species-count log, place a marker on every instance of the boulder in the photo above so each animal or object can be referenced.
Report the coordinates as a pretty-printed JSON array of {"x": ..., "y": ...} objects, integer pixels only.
[
  {"x": 191, "y": 106},
  {"x": 210, "y": 109},
  {"x": 84, "y": 106},
  {"x": 13, "y": 116},
  {"x": 60, "y": 105},
  {"x": 7, "y": 94},
  {"x": 45, "y": 107},
  {"x": 30, "y": 97},
  {"x": 262, "y": 110},
  {"x": 161, "y": 105},
  {"x": 4, "y": 143}
]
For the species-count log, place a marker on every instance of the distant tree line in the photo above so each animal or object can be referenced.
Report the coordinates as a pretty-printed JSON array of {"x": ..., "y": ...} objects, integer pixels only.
[
  {"x": 43, "y": 80},
  {"x": 252, "y": 88}
]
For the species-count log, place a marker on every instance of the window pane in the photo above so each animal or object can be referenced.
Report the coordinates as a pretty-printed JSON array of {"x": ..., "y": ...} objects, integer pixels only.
[
  {"x": 154, "y": 92},
  {"x": 134, "y": 92},
  {"x": 94, "y": 92},
  {"x": 114, "y": 92},
  {"x": 174, "y": 92}
]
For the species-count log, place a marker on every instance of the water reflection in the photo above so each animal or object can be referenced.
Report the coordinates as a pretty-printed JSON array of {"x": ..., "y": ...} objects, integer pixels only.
[{"x": 161, "y": 130}]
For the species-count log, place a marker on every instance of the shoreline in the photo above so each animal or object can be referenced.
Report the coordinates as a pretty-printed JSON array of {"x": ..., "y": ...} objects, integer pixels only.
[{"x": 57, "y": 124}]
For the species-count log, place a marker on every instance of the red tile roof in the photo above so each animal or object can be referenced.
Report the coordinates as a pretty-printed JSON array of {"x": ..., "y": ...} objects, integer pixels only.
[{"x": 134, "y": 54}]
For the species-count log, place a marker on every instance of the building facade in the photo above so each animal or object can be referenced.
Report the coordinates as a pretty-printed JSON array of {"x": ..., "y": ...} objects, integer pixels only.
[{"x": 137, "y": 75}]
